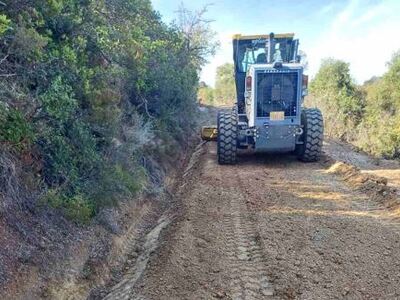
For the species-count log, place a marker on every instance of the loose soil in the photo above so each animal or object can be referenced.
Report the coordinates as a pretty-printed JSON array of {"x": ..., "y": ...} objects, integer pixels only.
[{"x": 272, "y": 227}]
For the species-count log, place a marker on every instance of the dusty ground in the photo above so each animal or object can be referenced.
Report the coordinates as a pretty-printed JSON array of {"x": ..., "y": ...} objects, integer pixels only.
[{"x": 270, "y": 228}]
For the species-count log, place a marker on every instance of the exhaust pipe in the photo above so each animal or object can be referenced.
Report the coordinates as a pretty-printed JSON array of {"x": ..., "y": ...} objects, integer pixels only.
[{"x": 271, "y": 47}]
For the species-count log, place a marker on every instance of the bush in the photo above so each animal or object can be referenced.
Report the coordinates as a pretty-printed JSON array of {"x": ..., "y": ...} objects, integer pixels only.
[
  {"x": 206, "y": 95},
  {"x": 335, "y": 93},
  {"x": 92, "y": 89},
  {"x": 4, "y": 24},
  {"x": 78, "y": 209},
  {"x": 116, "y": 181},
  {"x": 225, "y": 91},
  {"x": 367, "y": 116},
  {"x": 15, "y": 130},
  {"x": 75, "y": 208},
  {"x": 379, "y": 131},
  {"x": 58, "y": 102}
]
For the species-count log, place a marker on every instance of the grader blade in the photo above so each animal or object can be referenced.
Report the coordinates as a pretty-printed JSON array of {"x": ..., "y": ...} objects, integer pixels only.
[{"x": 209, "y": 133}]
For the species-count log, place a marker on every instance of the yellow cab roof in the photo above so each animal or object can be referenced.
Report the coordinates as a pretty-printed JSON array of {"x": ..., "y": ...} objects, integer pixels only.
[{"x": 262, "y": 36}]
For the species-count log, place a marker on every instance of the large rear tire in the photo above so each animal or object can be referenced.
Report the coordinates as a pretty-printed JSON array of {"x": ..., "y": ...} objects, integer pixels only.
[
  {"x": 227, "y": 138},
  {"x": 313, "y": 135}
]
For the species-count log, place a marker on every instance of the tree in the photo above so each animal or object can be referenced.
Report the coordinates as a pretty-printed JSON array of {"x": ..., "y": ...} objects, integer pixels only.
[
  {"x": 205, "y": 95},
  {"x": 225, "y": 92},
  {"x": 200, "y": 39},
  {"x": 380, "y": 129},
  {"x": 336, "y": 94}
]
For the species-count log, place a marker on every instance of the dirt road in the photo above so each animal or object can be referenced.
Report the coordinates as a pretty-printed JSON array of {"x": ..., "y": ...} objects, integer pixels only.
[{"x": 270, "y": 228}]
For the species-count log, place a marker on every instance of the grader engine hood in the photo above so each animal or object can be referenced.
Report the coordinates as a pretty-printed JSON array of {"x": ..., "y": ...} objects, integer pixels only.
[{"x": 275, "y": 94}]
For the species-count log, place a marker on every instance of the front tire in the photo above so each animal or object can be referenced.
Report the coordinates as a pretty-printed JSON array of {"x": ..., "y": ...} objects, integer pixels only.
[
  {"x": 227, "y": 138},
  {"x": 313, "y": 135}
]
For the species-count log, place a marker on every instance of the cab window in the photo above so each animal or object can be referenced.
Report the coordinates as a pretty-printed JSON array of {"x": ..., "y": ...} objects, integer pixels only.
[{"x": 253, "y": 56}]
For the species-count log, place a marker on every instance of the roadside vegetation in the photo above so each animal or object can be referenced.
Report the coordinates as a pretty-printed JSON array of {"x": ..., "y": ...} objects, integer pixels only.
[
  {"x": 94, "y": 96},
  {"x": 367, "y": 116},
  {"x": 224, "y": 92}
]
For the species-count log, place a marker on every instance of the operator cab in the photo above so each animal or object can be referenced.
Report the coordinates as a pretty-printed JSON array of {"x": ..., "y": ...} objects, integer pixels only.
[{"x": 258, "y": 50}]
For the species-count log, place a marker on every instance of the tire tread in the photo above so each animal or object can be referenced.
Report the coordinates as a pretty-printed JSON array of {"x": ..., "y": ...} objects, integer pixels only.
[
  {"x": 227, "y": 138},
  {"x": 310, "y": 150}
]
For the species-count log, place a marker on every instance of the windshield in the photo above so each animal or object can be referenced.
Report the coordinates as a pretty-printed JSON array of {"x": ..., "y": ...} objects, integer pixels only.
[
  {"x": 254, "y": 56},
  {"x": 250, "y": 52}
]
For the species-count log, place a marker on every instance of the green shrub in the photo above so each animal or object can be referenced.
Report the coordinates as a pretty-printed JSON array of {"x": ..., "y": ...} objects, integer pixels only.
[
  {"x": 4, "y": 24},
  {"x": 380, "y": 129},
  {"x": 28, "y": 44},
  {"x": 52, "y": 198},
  {"x": 116, "y": 183},
  {"x": 15, "y": 129},
  {"x": 336, "y": 94},
  {"x": 369, "y": 115},
  {"x": 206, "y": 95},
  {"x": 58, "y": 100},
  {"x": 79, "y": 209},
  {"x": 76, "y": 207},
  {"x": 225, "y": 92}
]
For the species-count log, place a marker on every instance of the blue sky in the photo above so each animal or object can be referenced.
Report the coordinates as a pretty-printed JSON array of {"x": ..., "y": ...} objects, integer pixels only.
[{"x": 364, "y": 33}]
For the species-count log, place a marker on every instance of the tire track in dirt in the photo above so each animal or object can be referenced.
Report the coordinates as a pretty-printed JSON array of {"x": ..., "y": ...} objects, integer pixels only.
[
  {"x": 124, "y": 289},
  {"x": 243, "y": 256},
  {"x": 272, "y": 228},
  {"x": 249, "y": 279},
  {"x": 244, "y": 251}
]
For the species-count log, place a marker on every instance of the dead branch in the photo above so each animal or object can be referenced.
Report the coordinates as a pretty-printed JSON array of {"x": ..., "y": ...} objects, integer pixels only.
[
  {"x": 144, "y": 100},
  {"x": 8, "y": 75},
  {"x": 3, "y": 59}
]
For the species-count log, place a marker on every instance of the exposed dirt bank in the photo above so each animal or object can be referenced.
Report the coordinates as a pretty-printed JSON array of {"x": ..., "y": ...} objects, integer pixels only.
[{"x": 46, "y": 257}]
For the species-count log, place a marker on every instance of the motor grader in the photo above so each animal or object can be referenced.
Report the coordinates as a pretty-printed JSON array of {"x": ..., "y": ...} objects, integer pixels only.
[{"x": 268, "y": 116}]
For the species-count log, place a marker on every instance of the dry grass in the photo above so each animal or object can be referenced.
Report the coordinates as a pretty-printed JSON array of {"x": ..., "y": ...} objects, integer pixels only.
[{"x": 10, "y": 187}]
